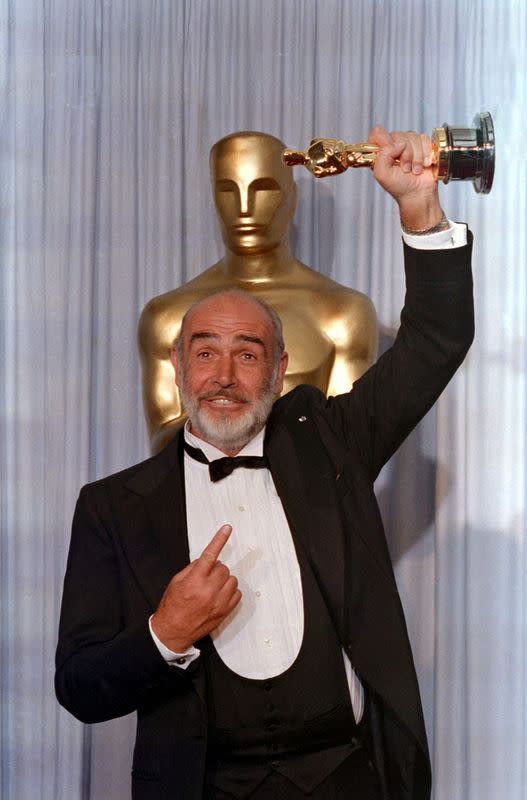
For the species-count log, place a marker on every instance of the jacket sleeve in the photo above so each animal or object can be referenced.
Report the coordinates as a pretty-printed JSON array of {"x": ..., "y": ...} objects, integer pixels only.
[
  {"x": 437, "y": 328},
  {"x": 107, "y": 664}
]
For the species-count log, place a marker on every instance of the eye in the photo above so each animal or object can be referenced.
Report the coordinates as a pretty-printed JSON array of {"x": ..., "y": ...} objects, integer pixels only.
[
  {"x": 225, "y": 185},
  {"x": 248, "y": 357},
  {"x": 265, "y": 185},
  {"x": 203, "y": 354}
]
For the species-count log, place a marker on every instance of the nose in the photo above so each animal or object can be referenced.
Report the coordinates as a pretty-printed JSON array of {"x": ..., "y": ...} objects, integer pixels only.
[
  {"x": 225, "y": 372},
  {"x": 245, "y": 200}
]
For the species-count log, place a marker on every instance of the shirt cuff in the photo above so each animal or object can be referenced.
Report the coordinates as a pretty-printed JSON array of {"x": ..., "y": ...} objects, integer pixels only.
[
  {"x": 181, "y": 660},
  {"x": 454, "y": 236}
]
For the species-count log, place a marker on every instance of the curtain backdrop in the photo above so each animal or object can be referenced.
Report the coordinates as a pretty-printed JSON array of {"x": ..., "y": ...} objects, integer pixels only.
[{"x": 109, "y": 111}]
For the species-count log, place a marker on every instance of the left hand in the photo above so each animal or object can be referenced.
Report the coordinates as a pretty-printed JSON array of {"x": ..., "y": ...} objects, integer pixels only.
[{"x": 412, "y": 181}]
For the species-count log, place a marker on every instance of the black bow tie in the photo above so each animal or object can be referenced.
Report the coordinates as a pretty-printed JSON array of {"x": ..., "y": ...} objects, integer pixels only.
[{"x": 222, "y": 467}]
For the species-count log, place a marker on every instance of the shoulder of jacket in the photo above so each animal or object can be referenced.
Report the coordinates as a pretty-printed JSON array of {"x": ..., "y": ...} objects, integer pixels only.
[
  {"x": 301, "y": 395},
  {"x": 154, "y": 464}
]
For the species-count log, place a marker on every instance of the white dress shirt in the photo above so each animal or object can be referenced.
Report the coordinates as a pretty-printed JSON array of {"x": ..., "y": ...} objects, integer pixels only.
[{"x": 262, "y": 637}]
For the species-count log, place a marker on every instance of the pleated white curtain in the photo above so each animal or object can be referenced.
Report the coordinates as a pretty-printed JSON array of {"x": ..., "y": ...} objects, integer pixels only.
[{"x": 109, "y": 111}]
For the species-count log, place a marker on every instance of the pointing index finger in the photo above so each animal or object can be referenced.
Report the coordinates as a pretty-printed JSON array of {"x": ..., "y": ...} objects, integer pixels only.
[{"x": 212, "y": 551}]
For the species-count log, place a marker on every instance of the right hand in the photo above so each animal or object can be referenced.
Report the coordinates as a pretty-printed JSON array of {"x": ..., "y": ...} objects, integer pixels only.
[
  {"x": 409, "y": 182},
  {"x": 197, "y": 599}
]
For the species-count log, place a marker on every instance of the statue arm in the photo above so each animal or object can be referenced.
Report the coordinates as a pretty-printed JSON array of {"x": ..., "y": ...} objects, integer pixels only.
[
  {"x": 165, "y": 433},
  {"x": 356, "y": 342},
  {"x": 162, "y": 406}
]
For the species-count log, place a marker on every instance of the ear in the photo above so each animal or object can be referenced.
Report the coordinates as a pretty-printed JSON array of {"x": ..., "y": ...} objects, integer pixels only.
[{"x": 282, "y": 366}]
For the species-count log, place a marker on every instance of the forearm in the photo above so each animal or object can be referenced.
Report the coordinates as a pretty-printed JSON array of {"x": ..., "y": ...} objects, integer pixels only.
[
  {"x": 437, "y": 329},
  {"x": 437, "y": 326}
]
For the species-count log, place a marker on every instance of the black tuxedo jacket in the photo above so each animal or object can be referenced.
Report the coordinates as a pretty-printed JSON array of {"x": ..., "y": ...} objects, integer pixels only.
[{"x": 129, "y": 538}]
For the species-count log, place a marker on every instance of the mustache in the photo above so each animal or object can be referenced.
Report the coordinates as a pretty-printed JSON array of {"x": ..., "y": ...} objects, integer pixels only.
[{"x": 227, "y": 393}]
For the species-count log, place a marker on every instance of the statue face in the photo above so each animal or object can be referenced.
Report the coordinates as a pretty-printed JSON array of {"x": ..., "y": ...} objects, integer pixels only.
[{"x": 254, "y": 193}]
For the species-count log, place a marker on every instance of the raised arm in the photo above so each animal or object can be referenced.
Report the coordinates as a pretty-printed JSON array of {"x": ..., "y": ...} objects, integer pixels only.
[{"x": 437, "y": 320}]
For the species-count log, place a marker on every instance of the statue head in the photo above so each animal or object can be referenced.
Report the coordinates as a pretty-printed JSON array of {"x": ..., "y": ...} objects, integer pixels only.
[{"x": 254, "y": 193}]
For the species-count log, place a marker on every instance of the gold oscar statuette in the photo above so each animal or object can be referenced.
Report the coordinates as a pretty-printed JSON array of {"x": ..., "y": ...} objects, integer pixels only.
[{"x": 458, "y": 154}]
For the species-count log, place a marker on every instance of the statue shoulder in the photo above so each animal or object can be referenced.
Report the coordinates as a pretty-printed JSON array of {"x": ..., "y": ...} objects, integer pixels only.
[
  {"x": 161, "y": 317},
  {"x": 357, "y": 317},
  {"x": 353, "y": 302},
  {"x": 340, "y": 299},
  {"x": 310, "y": 278},
  {"x": 160, "y": 320}
]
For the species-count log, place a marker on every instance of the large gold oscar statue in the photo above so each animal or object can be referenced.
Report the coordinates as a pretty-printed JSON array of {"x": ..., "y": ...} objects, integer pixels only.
[{"x": 330, "y": 331}]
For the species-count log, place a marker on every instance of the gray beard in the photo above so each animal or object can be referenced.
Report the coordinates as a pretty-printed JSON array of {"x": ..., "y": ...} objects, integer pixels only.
[{"x": 223, "y": 432}]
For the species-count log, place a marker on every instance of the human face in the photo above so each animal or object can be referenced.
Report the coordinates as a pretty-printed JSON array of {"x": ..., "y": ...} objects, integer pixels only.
[
  {"x": 254, "y": 192},
  {"x": 228, "y": 375}
]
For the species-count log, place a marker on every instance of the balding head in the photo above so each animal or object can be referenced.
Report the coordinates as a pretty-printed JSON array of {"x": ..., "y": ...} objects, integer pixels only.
[{"x": 238, "y": 295}]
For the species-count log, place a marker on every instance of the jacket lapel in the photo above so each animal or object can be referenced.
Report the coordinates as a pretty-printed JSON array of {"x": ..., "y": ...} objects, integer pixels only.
[
  {"x": 156, "y": 541},
  {"x": 305, "y": 481}
]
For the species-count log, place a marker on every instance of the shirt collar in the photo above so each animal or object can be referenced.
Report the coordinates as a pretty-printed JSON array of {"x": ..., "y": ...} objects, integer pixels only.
[{"x": 253, "y": 448}]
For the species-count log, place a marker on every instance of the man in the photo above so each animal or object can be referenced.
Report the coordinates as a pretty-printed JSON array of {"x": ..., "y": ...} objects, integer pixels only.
[
  {"x": 330, "y": 329},
  {"x": 250, "y": 616}
]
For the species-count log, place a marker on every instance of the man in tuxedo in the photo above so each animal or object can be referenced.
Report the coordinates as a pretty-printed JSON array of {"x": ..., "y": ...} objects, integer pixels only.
[{"x": 235, "y": 590}]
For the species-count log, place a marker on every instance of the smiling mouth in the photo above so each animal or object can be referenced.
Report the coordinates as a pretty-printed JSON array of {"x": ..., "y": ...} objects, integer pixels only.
[{"x": 223, "y": 400}]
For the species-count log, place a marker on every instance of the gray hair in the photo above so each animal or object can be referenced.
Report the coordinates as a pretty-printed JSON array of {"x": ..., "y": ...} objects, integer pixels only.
[{"x": 241, "y": 294}]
